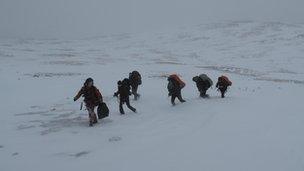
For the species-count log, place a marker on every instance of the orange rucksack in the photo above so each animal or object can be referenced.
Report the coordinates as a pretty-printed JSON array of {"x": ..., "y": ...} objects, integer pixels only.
[
  {"x": 176, "y": 77},
  {"x": 225, "y": 80}
]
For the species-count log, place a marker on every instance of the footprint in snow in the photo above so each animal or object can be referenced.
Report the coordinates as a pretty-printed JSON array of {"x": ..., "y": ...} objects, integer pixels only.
[
  {"x": 114, "y": 139},
  {"x": 15, "y": 154},
  {"x": 82, "y": 153}
]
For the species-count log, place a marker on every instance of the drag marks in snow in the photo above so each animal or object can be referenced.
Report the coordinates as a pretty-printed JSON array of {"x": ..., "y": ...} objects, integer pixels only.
[
  {"x": 15, "y": 154},
  {"x": 261, "y": 76},
  {"x": 60, "y": 55},
  {"x": 234, "y": 70},
  {"x": 5, "y": 55},
  {"x": 54, "y": 120},
  {"x": 22, "y": 127},
  {"x": 33, "y": 113},
  {"x": 169, "y": 63},
  {"x": 285, "y": 71},
  {"x": 66, "y": 62},
  {"x": 79, "y": 154},
  {"x": 161, "y": 75},
  {"x": 50, "y": 74},
  {"x": 277, "y": 80},
  {"x": 115, "y": 139},
  {"x": 74, "y": 155},
  {"x": 186, "y": 37},
  {"x": 56, "y": 125}
]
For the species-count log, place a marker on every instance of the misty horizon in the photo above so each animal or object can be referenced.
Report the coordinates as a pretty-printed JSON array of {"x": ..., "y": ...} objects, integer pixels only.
[{"x": 80, "y": 19}]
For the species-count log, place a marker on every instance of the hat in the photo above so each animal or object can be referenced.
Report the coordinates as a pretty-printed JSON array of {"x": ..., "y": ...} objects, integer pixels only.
[{"x": 88, "y": 80}]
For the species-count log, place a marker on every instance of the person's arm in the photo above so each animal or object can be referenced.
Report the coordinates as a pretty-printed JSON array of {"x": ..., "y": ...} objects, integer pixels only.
[
  {"x": 199, "y": 86},
  {"x": 78, "y": 94},
  {"x": 139, "y": 80},
  {"x": 217, "y": 85},
  {"x": 117, "y": 92}
]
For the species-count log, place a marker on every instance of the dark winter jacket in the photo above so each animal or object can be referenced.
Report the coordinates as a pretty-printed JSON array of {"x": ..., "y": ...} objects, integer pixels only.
[
  {"x": 124, "y": 89},
  {"x": 221, "y": 84},
  {"x": 135, "y": 78},
  {"x": 173, "y": 86},
  {"x": 92, "y": 96},
  {"x": 202, "y": 85}
]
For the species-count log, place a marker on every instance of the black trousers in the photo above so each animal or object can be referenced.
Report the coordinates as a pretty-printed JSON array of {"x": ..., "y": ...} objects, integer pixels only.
[
  {"x": 127, "y": 101},
  {"x": 223, "y": 91},
  {"x": 177, "y": 95},
  {"x": 203, "y": 92}
]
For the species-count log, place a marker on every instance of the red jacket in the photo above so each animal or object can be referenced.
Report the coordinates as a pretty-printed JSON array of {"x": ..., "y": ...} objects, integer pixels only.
[{"x": 92, "y": 96}]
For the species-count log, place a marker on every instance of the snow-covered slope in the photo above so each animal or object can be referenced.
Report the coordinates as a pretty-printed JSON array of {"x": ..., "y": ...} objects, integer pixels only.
[{"x": 259, "y": 126}]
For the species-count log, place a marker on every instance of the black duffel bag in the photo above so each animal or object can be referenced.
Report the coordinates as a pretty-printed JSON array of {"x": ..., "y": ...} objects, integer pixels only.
[{"x": 102, "y": 110}]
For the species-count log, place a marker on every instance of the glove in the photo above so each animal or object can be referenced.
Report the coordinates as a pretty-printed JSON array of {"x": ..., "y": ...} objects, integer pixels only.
[
  {"x": 75, "y": 99},
  {"x": 115, "y": 95}
]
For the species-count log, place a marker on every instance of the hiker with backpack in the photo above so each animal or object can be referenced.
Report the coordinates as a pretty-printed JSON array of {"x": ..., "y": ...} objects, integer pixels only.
[
  {"x": 92, "y": 98},
  {"x": 222, "y": 84},
  {"x": 203, "y": 83},
  {"x": 124, "y": 93},
  {"x": 175, "y": 85},
  {"x": 135, "y": 81}
]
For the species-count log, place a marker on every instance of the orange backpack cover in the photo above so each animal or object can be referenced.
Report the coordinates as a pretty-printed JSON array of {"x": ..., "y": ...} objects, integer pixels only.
[
  {"x": 176, "y": 77},
  {"x": 226, "y": 80}
]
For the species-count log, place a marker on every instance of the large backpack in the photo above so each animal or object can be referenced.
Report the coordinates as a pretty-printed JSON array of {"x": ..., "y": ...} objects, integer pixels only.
[
  {"x": 135, "y": 76},
  {"x": 102, "y": 110},
  {"x": 126, "y": 82},
  {"x": 225, "y": 80},
  {"x": 204, "y": 77},
  {"x": 176, "y": 78},
  {"x": 124, "y": 88}
]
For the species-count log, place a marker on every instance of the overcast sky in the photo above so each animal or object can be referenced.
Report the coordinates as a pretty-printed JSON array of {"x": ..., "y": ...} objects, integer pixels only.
[{"x": 86, "y": 18}]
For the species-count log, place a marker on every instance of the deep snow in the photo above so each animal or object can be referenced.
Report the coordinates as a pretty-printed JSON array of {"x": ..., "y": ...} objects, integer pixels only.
[{"x": 259, "y": 126}]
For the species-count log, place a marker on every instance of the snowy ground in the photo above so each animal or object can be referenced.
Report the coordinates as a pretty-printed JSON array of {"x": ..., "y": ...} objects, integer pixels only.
[{"x": 259, "y": 126}]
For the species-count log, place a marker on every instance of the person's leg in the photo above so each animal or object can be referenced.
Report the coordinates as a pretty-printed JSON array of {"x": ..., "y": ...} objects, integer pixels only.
[
  {"x": 121, "y": 110},
  {"x": 129, "y": 106},
  {"x": 179, "y": 96},
  {"x": 203, "y": 93},
  {"x": 134, "y": 92},
  {"x": 223, "y": 91},
  {"x": 92, "y": 115},
  {"x": 95, "y": 120},
  {"x": 173, "y": 96}
]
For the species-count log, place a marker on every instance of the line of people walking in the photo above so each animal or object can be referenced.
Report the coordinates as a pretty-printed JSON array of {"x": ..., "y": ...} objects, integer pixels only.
[{"x": 129, "y": 86}]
